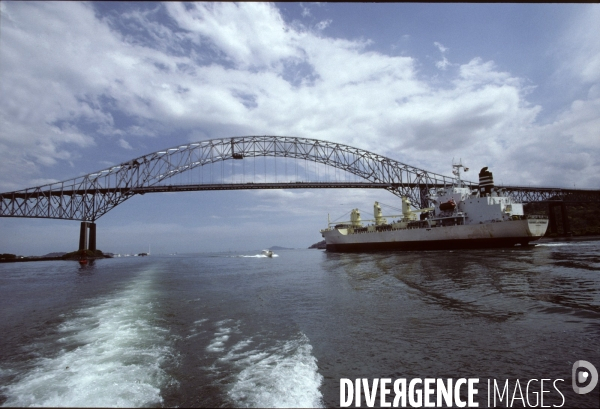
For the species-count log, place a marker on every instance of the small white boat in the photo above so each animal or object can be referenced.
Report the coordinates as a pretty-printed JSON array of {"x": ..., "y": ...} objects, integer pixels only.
[{"x": 267, "y": 253}]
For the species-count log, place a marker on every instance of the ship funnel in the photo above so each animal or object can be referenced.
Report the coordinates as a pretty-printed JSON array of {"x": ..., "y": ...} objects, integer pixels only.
[{"x": 486, "y": 182}]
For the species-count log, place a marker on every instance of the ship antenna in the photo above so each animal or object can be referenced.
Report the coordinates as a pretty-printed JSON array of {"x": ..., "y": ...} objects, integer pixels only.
[{"x": 456, "y": 171}]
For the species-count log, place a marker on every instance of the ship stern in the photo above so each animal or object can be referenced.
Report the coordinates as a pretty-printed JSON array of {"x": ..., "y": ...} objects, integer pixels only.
[{"x": 536, "y": 226}]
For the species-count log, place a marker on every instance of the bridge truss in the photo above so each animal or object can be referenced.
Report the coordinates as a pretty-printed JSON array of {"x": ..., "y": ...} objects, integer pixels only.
[{"x": 88, "y": 197}]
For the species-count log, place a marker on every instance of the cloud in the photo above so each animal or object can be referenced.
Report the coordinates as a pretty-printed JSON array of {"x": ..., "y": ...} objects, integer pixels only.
[
  {"x": 444, "y": 63},
  {"x": 322, "y": 25},
  {"x": 305, "y": 11},
  {"x": 581, "y": 44},
  {"x": 43, "y": 92},
  {"x": 124, "y": 144},
  {"x": 248, "y": 35},
  {"x": 440, "y": 47},
  {"x": 74, "y": 77}
]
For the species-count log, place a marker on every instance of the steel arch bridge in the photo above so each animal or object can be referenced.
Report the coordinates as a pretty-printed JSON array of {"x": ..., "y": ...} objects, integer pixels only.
[{"x": 89, "y": 197}]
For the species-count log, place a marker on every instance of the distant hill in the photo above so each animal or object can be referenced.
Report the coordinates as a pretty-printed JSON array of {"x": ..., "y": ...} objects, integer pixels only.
[
  {"x": 56, "y": 254},
  {"x": 319, "y": 245},
  {"x": 279, "y": 248}
]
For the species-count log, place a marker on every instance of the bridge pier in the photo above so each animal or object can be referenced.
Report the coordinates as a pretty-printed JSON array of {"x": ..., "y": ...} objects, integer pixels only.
[
  {"x": 564, "y": 216},
  {"x": 87, "y": 242},
  {"x": 552, "y": 218},
  {"x": 92, "y": 236},
  {"x": 565, "y": 219}
]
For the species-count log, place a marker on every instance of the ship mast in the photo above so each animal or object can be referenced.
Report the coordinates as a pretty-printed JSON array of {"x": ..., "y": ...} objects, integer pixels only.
[{"x": 456, "y": 172}]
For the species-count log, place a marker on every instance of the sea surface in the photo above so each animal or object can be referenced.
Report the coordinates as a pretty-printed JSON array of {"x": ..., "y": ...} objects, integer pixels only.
[{"x": 243, "y": 330}]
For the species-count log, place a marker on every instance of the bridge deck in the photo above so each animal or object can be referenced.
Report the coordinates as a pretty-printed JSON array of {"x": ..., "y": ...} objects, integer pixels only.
[{"x": 31, "y": 194}]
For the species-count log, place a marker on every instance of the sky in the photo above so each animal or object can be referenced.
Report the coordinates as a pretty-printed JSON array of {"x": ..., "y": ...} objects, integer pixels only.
[{"x": 85, "y": 86}]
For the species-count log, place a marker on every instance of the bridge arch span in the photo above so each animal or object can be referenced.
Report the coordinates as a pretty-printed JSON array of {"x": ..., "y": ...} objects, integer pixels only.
[{"x": 90, "y": 196}]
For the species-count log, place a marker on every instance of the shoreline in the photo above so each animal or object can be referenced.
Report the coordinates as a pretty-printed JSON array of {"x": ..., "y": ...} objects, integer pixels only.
[
  {"x": 542, "y": 240},
  {"x": 27, "y": 259}
]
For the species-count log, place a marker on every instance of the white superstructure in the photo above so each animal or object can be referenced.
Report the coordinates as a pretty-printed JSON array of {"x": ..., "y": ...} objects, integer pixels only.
[{"x": 458, "y": 218}]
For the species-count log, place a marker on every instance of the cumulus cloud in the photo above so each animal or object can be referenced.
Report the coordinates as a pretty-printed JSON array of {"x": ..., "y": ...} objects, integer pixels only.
[
  {"x": 74, "y": 77},
  {"x": 248, "y": 35}
]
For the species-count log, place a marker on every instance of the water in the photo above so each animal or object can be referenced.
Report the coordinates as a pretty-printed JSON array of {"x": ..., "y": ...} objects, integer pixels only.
[{"x": 240, "y": 330}]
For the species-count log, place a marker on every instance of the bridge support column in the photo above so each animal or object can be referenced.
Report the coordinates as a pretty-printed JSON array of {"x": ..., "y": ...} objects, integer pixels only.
[
  {"x": 87, "y": 241},
  {"x": 565, "y": 220},
  {"x": 83, "y": 243},
  {"x": 92, "y": 236},
  {"x": 552, "y": 218}
]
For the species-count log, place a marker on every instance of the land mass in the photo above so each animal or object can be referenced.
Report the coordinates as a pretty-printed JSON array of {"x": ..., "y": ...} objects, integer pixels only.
[
  {"x": 320, "y": 245},
  {"x": 74, "y": 255}
]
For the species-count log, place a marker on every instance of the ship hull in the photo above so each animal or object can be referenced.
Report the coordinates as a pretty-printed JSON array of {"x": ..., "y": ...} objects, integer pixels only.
[{"x": 489, "y": 235}]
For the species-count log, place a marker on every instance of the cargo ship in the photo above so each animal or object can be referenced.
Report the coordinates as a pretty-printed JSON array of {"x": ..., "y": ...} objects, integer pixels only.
[{"x": 458, "y": 217}]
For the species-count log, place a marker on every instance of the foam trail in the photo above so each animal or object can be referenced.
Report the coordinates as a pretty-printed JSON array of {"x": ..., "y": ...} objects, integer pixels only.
[
  {"x": 282, "y": 376},
  {"x": 110, "y": 355},
  {"x": 552, "y": 244}
]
